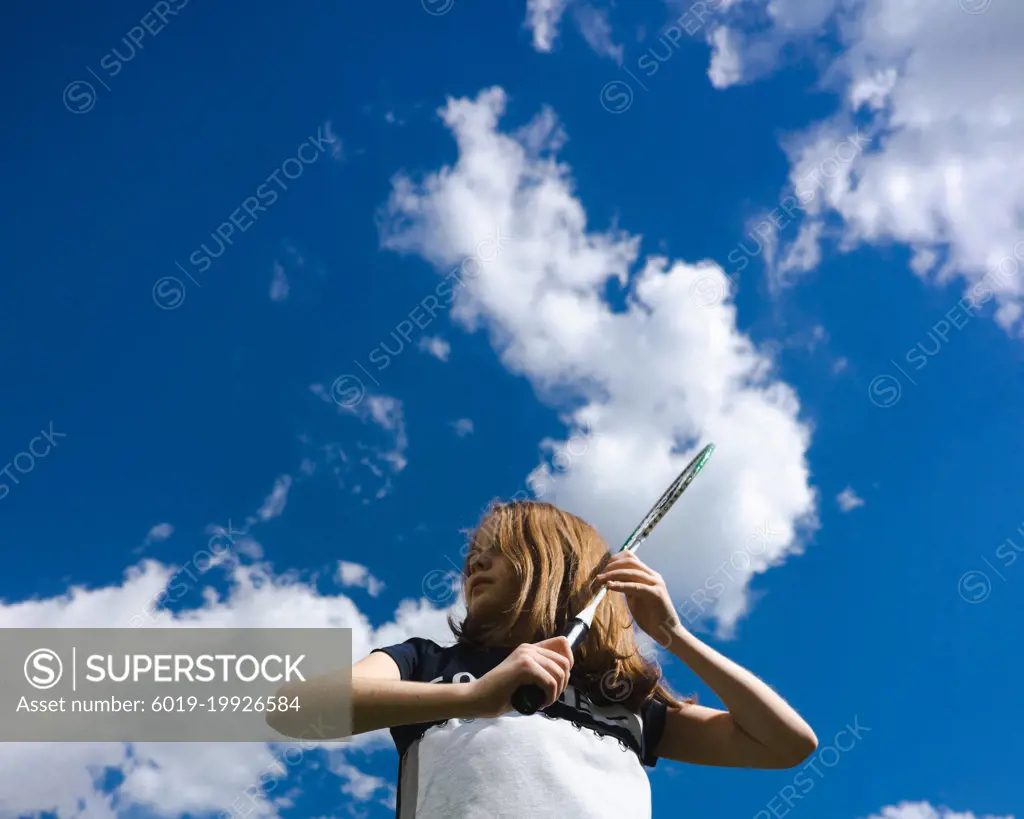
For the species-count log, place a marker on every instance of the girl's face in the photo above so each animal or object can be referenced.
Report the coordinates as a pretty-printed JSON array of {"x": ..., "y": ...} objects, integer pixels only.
[{"x": 492, "y": 586}]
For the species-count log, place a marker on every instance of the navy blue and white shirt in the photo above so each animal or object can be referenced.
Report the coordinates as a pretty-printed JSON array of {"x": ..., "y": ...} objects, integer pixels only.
[{"x": 573, "y": 759}]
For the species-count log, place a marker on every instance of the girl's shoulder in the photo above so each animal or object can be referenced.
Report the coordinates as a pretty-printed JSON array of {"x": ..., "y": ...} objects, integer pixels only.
[{"x": 423, "y": 660}]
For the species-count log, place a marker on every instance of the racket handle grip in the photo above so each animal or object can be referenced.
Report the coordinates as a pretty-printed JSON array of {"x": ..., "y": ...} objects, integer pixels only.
[{"x": 528, "y": 698}]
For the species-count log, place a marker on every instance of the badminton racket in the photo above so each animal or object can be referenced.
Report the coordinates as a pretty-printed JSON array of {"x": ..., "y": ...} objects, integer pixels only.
[{"x": 528, "y": 699}]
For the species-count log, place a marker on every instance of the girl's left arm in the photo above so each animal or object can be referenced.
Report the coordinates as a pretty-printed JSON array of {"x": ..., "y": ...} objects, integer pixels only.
[{"x": 760, "y": 730}]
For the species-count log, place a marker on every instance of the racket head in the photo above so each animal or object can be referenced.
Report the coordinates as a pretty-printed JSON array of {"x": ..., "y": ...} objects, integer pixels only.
[{"x": 670, "y": 496}]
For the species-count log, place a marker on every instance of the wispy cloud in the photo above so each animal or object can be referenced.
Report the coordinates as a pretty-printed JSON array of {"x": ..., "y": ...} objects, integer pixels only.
[
  {"x": 275, "y": 502},
  {"x": 597, "y": 31},
  {"x": 355, "y": 575},
  {"x": 159, "y": 533},
  {"x": 848, "y": 500},
  {"x": 386, "y": 414},
  {"x": 463, "y": 427},
  {"x": 923, "y": 810},
  {"x": 337, "y": 151},
  {"x": 544, "y": 19},
  {"x": 279, "y": 284},
  {"x": 436, "y": 346}
]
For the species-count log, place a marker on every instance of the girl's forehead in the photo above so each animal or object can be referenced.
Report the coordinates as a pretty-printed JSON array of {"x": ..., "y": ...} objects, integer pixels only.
[{"x": 485, "y": 537}]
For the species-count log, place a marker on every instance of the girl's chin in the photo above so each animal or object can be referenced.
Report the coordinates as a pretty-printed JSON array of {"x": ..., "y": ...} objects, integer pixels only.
[{"x": 480, "y": 601}]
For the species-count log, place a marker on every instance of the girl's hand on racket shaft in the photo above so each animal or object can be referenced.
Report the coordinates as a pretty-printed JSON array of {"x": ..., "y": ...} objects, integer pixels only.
[
  {"x": 646, "y": 594},
  {"x": 546, "y": 664}
]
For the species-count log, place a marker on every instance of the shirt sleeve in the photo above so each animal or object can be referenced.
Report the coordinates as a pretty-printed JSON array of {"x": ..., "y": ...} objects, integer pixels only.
[
  {"x": 411, "y": 657},
  {"x": 653, "y": 713}
]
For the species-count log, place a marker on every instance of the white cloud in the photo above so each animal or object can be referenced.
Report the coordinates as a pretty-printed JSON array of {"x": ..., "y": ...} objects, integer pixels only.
[
  {"x": 159, "y": 533},
  {"x": 923, "y": 810},
  {"x": 597, "y": 31},
  {"x": 275, "y": 502},
  {"x": 938, "y": 92},
  {"x": 337, "y": 150},
  {"x": 650, "y": 383},
  {"x": 436, "y": 346},
  {"x": 279, "y": 284},
  {"x": 463, "y": 427},
  {"x": 725, "y": 68},
  {"x": 360, "y": 786},
  {"x": 169, "y": 779},
  {"x": 848, "y": 500},
  {"x": 386, "y": 413},
  {"x": 544, "y": 17},
  {"x": 358, "y": 576},
  {"x": 378, "y": 410}
]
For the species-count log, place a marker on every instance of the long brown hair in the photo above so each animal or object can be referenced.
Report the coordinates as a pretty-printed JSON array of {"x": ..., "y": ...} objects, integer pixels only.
[{"x": 556, "y": 556}]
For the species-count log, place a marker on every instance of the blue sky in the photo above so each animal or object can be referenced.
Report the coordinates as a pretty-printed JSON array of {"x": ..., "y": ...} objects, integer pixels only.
[{"x": 817, "y": 204}]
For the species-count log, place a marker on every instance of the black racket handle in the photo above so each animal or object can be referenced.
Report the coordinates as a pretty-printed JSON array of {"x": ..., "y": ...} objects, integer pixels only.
[{"x": 528, "y": 698}]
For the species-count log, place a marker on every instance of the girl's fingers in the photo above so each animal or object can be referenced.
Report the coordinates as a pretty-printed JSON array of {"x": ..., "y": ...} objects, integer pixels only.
[
  {"x": 628, "y": 575},
  {"x": 560, "y": 660},
  {"x": 625, "y": 559},
  {"x": 551, "y": 676},
  {"x": 558, "y": 647},
  {"x": 629, "y": 587},
  {"x": 638, "y": 571},
  {"x": 541, "y": 674}
]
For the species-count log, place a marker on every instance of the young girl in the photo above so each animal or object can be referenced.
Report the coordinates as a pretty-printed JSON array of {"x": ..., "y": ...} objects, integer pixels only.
[{"x": 466, "y": 754}]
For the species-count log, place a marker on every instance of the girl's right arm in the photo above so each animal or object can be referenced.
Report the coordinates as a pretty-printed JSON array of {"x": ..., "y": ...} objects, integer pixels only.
[{"x": 381, "y": 699}]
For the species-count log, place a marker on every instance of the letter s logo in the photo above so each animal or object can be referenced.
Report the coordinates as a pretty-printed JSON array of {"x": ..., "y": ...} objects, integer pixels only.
[{"x": 39, "y": 668}]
